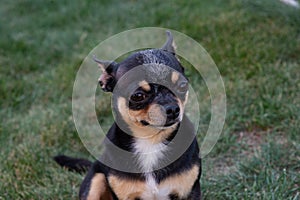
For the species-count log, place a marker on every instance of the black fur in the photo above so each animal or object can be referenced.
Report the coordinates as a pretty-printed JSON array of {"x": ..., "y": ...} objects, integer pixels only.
[{"x": 148, "y": 57}]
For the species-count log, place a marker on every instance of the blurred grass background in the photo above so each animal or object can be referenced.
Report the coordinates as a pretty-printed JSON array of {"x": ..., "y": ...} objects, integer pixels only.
[{"x": 255, "y": 44}]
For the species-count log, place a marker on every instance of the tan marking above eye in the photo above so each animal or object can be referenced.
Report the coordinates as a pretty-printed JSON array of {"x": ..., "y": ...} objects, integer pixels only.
[
  {"x": 145, "y": 85},
  {"x": 174, "y": 77}
]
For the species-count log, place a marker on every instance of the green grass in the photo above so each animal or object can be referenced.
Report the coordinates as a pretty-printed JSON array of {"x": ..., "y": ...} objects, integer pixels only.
[{"x": 255, "y": 44}]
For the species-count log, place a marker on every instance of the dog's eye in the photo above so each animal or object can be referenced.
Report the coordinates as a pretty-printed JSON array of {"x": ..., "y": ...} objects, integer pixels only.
[
  {"x": 183, "y": 87},
  {"x": 137, "y": 97}
]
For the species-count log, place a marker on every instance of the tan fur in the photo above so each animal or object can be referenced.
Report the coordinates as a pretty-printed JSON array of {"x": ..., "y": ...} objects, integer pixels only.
[
  {"x": 99, "y": 189},
  {"x": 126, "y": 189},
  {"x": 174, "y": 77},
  {"x": 133, "y": 118},
  {"x": 181, "y": 184},
  {"x": 145, "y": 85}
]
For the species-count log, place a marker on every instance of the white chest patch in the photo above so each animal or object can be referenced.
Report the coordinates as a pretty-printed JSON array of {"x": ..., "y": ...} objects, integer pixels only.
[
  {"x": 154, "y": 191},
  {"x": 149, "y": 156}
]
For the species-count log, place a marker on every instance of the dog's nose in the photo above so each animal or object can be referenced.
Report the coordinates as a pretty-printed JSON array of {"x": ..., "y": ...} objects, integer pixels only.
[{"x": 172, "y": 111}]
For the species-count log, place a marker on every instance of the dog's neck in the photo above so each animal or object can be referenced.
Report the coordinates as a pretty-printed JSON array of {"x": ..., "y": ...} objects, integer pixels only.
[
  {"x": 149, "y": 154},
  {"x": 152, "y": 150}
]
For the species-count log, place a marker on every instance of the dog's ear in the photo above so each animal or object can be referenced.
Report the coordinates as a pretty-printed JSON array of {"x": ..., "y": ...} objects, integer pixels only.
[
  {"x": 169, "y": 44},
  {"x": 107, "y": 80}
]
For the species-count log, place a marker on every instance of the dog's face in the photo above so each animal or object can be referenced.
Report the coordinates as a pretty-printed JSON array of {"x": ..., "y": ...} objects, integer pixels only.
[
  {"x": 154, "y": 105},
  {"x": 150, "y": 101}
]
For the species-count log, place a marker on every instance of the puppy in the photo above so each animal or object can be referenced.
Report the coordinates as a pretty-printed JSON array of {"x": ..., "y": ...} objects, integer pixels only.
[{"x": 150, "y": 151}]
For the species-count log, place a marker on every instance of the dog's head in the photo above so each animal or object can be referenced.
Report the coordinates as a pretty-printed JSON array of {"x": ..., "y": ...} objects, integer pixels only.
[{"x": 151, "y": 89}]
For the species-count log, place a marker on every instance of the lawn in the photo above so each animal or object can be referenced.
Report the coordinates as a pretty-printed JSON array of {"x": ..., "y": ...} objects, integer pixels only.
[{"x": 255, "y": 44}]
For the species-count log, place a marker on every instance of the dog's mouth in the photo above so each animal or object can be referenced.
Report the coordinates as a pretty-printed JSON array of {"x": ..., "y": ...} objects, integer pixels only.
[
  {"x": 145, "y": 123},
  {"x": 168, "y": 124}
]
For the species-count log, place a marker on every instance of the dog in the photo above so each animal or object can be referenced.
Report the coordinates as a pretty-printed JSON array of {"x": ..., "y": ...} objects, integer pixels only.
[{"x": 150, "y": 127}]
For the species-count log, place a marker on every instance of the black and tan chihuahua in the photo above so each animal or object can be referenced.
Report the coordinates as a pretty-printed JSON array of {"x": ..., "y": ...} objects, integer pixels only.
[{"x": 152, "y": 117}]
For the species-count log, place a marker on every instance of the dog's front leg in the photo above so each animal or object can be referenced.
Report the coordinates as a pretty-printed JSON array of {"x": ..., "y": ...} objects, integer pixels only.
[{"x": 94, "y": 186}]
